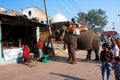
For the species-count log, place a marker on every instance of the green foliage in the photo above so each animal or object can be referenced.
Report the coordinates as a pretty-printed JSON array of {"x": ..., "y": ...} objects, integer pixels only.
[{"x": 93, "y": 18}]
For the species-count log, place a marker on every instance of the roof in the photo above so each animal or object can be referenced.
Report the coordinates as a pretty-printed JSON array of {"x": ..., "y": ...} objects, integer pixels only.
[
  {"x": 58, "y": 18},
  {"x": 19, "y": 20},
  {"x": 2, "y": 9},
  {"x": 109, "y": 33}
]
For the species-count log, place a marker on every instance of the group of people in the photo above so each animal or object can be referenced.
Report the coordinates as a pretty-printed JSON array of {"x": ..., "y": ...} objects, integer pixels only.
[
  {"x": 110, "y": 58},
  {"x": 38, "y": 52}
]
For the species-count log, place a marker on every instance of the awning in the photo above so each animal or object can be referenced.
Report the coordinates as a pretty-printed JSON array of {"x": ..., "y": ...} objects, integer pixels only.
[
  {"x": 109, "y": 33},
  {"x": 19, "y": 20}
]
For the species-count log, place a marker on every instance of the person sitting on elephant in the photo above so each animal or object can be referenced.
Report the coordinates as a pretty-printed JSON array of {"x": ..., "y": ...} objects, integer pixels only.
[
  {"x": 72, "y": 25},
  {"x": 73, "y": 22},
  {"x": 74, "y": 29},
  {"x": 83, "y": 27}
]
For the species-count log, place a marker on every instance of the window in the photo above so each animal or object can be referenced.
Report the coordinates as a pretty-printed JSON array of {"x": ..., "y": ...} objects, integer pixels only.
[{"x": 29, "y": 13}]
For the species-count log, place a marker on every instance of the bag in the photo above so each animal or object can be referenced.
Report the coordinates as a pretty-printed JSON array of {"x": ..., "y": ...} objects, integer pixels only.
[{"x": 76, "y": 32}]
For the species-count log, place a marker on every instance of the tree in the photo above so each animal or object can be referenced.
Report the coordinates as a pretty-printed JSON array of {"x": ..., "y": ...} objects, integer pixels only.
[{"x": 93, "y": 18}]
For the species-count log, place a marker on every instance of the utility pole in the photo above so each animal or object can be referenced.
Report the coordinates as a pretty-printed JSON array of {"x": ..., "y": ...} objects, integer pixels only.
[
  {"x": 113, "y": 29},
  {"x": 50, "y": 32},
  {"x": 83, "y": 17},
  {"x": 113, "y": 26}
]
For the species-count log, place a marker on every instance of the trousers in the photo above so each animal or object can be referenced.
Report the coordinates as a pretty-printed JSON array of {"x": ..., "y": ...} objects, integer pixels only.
[{"x": 106, "y": 71}]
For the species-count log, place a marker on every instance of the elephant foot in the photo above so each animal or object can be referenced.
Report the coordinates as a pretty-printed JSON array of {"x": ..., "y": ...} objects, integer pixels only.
[
  {"x": 87, "y": 59},
  {"x": 74, "y": 62},
  {"x": 71, "y": 62}
]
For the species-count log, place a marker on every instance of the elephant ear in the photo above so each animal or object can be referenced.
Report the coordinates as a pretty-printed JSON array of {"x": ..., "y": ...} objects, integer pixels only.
[{"x": 64, "y": 28}]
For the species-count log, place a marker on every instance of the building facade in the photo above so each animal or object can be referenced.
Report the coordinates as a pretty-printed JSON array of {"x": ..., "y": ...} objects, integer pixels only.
[
  {"x": 9, "y": 12},
  {"x": 11, "y": 22},
  {"x": 34, "y": 12}
]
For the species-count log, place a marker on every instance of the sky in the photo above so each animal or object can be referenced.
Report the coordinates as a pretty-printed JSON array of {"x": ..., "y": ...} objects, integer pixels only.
[{"x": 70, "y": 8}]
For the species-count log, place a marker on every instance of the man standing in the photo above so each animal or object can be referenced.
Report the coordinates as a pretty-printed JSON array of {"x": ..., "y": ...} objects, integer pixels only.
[
  {"x": 106, "y": 57},
  {"x": 40, "y": 48}
]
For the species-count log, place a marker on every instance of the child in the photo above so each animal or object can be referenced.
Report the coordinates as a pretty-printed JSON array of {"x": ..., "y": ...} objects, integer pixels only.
[
  {"x": 26, "y": 53},
  {"x": 40, "y": 48},
  {"x": 106, "y": 57},
  {"x": 116, "y": 67}
]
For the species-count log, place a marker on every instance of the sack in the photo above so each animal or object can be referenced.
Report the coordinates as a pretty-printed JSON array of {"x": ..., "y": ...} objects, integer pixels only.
[{"x": 76, "y": 32}]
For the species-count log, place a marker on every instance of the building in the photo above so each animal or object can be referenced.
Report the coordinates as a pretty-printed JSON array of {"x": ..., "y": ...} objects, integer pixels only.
[
  {"x": 9, "y": 12},
  {"x": 4, "y": 11},
  {"x": 34, "y": 13}
]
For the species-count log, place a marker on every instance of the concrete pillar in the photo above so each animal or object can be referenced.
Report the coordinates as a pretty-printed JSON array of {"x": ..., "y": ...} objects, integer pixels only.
[
  {"x": 37, "y": 33},
  {"x": 0, "y": 39}
]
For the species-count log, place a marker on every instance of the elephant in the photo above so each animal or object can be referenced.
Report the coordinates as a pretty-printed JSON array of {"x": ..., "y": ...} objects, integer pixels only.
[{"x": 87, "y": 40}]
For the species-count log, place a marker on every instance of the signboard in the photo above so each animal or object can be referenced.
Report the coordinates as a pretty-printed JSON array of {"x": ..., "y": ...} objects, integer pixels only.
[{"x": 10, "y": 54}]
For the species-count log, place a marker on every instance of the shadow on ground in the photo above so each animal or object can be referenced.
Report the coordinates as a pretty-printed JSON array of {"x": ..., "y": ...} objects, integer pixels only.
[
  {"x": 64, "y": 60},
  {"x": 90, "y": 61},
  {"x": 67, "y": 76},
  {"x": 59, "y": 59}
]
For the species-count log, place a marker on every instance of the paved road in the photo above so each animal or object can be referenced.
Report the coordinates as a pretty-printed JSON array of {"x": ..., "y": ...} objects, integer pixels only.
[{"x": 56, "y": 69}]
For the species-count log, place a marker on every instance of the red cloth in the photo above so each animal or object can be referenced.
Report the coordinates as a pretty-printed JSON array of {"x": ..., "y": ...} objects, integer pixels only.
[
  {"x": 26, "y": 52},
  {"x": 39, "y": 45}
]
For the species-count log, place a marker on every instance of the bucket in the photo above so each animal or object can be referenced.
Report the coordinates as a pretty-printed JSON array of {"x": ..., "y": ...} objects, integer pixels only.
[{"x": 45, "y": 58}]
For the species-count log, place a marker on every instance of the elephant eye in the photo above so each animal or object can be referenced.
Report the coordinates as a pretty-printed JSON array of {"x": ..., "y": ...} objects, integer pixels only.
[{"x": 58, "y": 31}]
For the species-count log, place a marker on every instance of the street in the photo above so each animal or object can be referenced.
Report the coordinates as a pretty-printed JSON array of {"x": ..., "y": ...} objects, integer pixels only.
[{"x": 56, "y": 69}]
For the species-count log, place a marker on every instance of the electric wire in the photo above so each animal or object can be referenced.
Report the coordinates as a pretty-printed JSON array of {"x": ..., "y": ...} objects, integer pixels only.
[
  {"x": 65, "y": 9},
  {"x": 78, "y": 5},
  {"x": 74, "y": 5},
  {"x": 4, "y": 2}
]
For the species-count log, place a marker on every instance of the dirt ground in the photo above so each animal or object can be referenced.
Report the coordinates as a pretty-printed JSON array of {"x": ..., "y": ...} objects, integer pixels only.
[{"x": 56, "y": 69}]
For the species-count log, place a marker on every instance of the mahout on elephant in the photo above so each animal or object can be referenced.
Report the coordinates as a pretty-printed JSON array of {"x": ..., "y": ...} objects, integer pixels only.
[{"x": 87, "y": 40}]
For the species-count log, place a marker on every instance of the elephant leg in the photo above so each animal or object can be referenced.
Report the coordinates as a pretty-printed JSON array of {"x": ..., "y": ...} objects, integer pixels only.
[
  {"x": 96, "y": 55},
  {"x": 69, "y": 60},
  {"x": 73, "y": 57},
  {"x": 64, "y": 46},
  {"x": 88, "y": 55},
  {"x": 69, "y": 56}
]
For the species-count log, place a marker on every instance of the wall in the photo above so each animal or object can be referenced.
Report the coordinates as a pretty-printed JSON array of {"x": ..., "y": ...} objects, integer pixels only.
[
  {"x": 36, "y": 12},
  {"x": 41, "y": 15},
  {"x": 33, "y": 12},
  {"x": 15, "y": 13}
]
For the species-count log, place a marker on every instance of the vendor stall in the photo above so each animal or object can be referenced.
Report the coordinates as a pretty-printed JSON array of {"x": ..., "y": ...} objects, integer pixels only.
[
  {"x": 12, "y": 53},
  {"x": 14, "y": 30}
]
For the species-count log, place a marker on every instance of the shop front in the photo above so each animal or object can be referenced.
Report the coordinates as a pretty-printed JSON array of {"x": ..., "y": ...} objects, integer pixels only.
[{"x": 14, "y": 30}]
